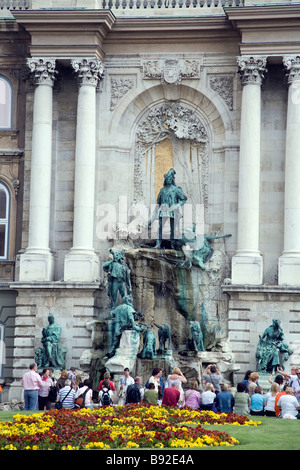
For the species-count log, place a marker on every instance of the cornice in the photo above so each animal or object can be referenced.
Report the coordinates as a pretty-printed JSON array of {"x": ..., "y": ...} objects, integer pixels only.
[
  {"x": 65, "y": 15},
  {"x": 57, "y": 33},
  {"x": 37, "y": 20},
  {"x": 263, "y": 12}
]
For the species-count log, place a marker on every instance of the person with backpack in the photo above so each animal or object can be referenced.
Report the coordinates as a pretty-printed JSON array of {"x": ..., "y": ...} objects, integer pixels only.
[
  {"x": 84, "y": 395},
  {"x": 135, "y": 392},
  {"x": 105, "y": 394}
]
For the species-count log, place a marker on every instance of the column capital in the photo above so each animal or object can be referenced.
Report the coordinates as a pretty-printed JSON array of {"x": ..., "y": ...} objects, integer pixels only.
[
  {"x": 42, "y": 70},
  {"x": 252, "y": 69},
  {"x": 88, "y": 71},
  {"x": 291, "y": 65}
]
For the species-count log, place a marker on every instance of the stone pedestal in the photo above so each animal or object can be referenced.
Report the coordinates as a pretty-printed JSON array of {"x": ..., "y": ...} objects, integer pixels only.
[
  {"x": 81, "y": 266},
  {"x": 247, "y": 269},
  {"x": 125, "y": 355},
  {"x": 36, "y": 265}
]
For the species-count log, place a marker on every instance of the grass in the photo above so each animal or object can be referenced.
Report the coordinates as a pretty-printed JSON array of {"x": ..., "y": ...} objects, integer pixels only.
[{"x": 272, "y": 434}]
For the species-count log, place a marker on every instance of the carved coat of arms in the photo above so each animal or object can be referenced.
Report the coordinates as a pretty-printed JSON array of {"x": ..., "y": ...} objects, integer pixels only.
[{"x": 171, "y": 72}]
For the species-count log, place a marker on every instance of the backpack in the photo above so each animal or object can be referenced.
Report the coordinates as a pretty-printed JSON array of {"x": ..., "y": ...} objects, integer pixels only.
[
  {"x": 133, "y": 394},
  {"x": 106, "y": 399},
  {"x": 52, "y": 393},
  {"x": 80, "y": 401}
]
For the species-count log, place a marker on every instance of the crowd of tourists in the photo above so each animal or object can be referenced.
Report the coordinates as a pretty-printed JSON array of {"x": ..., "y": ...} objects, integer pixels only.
[{"x": 42, "y": 391}]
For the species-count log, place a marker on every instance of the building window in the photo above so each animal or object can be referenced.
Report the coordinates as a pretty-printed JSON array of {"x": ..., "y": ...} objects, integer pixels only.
[
  {"x": 4, "y": 220},
  {"x": 5, "y": 103}
]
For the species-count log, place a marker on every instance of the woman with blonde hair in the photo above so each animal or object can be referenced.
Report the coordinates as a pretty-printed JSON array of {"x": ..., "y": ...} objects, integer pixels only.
[
  {"x": 270, "y": 399},
  {"x": 253, "y": 383},
  {"x": 209, "y": 398},
  {"x": 192, "y": 396},
  {"x": 177, "y": 378}
]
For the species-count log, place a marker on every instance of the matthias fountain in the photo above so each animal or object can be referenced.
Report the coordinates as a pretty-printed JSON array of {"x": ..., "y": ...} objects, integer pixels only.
[{"x": 165, "y": 304}]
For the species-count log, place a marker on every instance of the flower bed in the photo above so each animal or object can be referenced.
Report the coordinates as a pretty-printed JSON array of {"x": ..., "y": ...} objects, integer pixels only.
[{"x": 123, "y": 427}]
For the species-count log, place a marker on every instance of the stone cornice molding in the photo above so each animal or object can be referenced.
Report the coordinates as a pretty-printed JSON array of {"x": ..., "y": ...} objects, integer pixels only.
[
  {"x": 71, "y": 33},
  {"x": 88, "y": 71},
  {"x": 252, "y": 69},
  {"x": 42, "y": 70},
  {"x": 292, "y": 68}
]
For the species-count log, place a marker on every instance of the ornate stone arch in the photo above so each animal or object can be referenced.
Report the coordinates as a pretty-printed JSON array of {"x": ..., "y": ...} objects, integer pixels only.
[{"x": 182, "y": 126}]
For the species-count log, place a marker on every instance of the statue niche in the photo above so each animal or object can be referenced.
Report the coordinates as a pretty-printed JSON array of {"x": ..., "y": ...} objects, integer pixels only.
[{"x": 171, "y": 136}]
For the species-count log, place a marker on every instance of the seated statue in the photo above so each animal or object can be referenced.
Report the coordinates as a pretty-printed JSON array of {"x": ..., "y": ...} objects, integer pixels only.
[
  {"x": 51, "y": 355},
  {"x": 271, "y": 350},
  {"x": 123, "y": 319}
]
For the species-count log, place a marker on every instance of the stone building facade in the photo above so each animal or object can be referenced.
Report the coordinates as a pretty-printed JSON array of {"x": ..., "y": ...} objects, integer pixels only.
[{"x": 98, "y": 100}]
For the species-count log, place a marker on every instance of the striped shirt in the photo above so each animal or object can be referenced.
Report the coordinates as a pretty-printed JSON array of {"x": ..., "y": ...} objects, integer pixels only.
[{"x": 69, "y": 400}]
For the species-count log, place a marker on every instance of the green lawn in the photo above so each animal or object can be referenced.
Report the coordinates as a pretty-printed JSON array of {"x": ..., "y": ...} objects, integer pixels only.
[{"x": 272, "y": 434}]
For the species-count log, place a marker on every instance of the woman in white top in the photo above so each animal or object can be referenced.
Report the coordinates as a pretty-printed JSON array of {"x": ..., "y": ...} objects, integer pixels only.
[
  {"x": 177, "y": 378},
  {"x": 208, "y": 398},
  {"x": 270, "y": 400},
  {"x": 88, "y": 402}
]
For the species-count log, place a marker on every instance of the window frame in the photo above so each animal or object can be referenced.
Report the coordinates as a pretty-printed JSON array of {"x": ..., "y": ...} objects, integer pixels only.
[
  {"x": 6, "y": 221},
  {"x": 10, "y": 118}
]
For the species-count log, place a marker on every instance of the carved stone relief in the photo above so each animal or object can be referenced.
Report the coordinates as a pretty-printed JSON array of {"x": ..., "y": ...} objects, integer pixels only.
[
  {"x": 252, "y": 69},
  {"x": 42, "y": 70},
  {"x": 223, "y": 85},
  {"x": 292, "y": 68},
  {"x": 190, "y": 141},
  {"x": 119, "y": 87},
  {"x": 171, "y": 70}
]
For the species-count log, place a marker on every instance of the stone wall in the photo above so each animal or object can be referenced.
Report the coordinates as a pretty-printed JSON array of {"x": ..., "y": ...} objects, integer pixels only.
[
  {"x": 251, "y": 311},
  {"x": 73, "y": 306}
]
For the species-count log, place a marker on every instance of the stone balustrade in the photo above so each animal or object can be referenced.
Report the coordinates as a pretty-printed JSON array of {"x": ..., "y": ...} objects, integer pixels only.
[{"x": 137, "y": 7}]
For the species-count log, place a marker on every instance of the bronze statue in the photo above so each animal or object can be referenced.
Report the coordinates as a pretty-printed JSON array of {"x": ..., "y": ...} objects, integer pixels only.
[
  {"x": 149, "y": 344},
  {"x": 202, "y": 255},
  {"x": 164, "y": 335},
  {"x": 118, "y": 277},
  {"x": 197, "y": 336},
  {"x": 123, "y": 319},
  {"x": 271, "y": 350},
  {"x": 51, "y": 355},
  {"x": 169, "y": 200}
]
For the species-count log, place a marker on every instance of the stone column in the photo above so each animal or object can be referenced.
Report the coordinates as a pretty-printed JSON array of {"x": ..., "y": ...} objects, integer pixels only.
[
  {"x": 247, "y": 264},
  {"x": 289, "y": 262},
  {"x": 36, "y": 263},
  {"x": 82, "y": 263}
]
